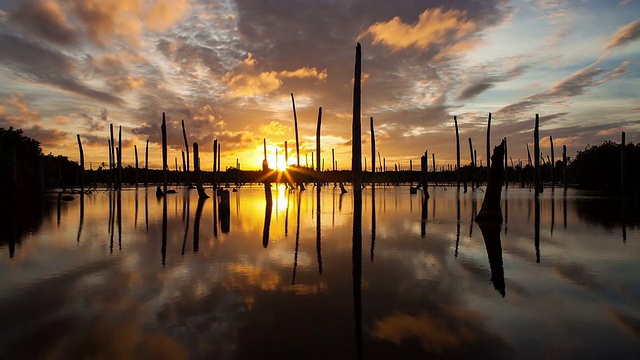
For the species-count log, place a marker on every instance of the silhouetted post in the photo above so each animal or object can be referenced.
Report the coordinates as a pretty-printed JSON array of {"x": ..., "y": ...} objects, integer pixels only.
[
  {"x": 489, "y": 148},
  {"x": 219, "y": 162},
  {"x": 164, "y": 153},
  {"x": 473, "y": 165},
  {"x": 433, "y": 162},
  {"x": 265, "y": 174},
  {"x": 455, "y": 120},
  {"x": 196, "y": 166},
  {"x": 110, "y": 174},
  {"x": 373, "y": 152},
  {"x": 215, "y": 165},
  {"x": 135, "y": 152},
  {"x": 113, "y": 157},
  {"x": 184, "y": 162},
  {"x": 81, "y": 164},
  {"x": 553, "y": 165},
  {"x": 120, "y": 157},
  {"x": 119, "y": 184},
  {"x": 623, "y": 162},
  {"x": 146, "y": 164},
  {"x": 318, "y": 169},
  {"x": 333, "y": 158},
  {"x": 528, "y": 156},
  {"x": 564, "y": 166},
  {"x": 295, "y": 123},
  {"x": 536, "y": 151},
  {"x": 356, "y": 143},
  {"x": 491, "y": 212},
  {"x": 506, "y": 164},
  {"x": 186, "y": 146},
  {"x": 286, "y": 155},
  {"x": 175, "y": 159}
]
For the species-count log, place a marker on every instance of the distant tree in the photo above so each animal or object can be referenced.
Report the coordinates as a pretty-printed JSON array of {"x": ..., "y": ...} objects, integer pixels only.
[
  {"x": 19, "y": 161},
  {"x": 598, "y": 166}
]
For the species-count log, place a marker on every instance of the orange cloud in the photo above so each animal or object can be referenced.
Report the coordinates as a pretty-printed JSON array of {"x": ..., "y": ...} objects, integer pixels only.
[
  {"x": 163, "y": 14},
  {"x": 274, "y": 128},
  {"x": 125, "y": 83},
  {"x": 107, "y": 19},
  {"x": 624, "y": 35},
  {"x": 434, "y": 26},
  {"x": 26, "y": 115}
]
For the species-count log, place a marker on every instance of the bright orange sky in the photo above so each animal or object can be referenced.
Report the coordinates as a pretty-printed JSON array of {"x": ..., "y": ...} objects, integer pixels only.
[{"x": 227, "y": 68}]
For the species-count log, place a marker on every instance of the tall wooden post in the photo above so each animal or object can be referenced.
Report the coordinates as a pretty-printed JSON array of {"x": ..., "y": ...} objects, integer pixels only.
[
  {"x": 433, "y": 163},
  {"x": 81, "y": 164},
  {"x": 318, "y": 168},
  {"x": 506, "y": 164},
  {"x": 488, "y": 147},
  {"x": 553, "y": 164},
  {"x": 373, "y": 152},
  {"x": 455, "y": 120},
  {"x": 113, "y": 157},
  {"x": 564, "y": 166},
  {"x": 473, "y": 165},
  {"x": 146, "y": 164},
  {"x": 286, "y": 155},
  {"x": 623, "y": 163},
  {"x": 333, "y": 158},
  {"x": 295, "y": 123},
  {"x": 536, "y": 151},
  {"x": 135, "y": 151},
  {"x": 215, "y": 165},
  {"x": 196, "y": 166},
  {"x": 165, "y": 167},
  {"x": 356, "y": 133},
  {"x": 186, "y": 146},
  {"x": 120, "y": 157}
]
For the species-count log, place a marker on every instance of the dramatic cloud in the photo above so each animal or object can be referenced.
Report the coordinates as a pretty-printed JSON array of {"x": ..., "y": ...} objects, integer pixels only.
[
  {"x": 45, "y": 19},
  {"x": 624, "y": 35},
  {"x": 434, "y": 26}
]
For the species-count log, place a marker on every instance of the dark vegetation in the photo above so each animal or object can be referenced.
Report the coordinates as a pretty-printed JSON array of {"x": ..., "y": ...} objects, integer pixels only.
[{"x": 598, "y": 167}]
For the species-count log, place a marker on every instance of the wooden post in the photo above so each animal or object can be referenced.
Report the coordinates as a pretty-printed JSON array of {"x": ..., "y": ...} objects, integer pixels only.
[
  {"x": 623, "y": 163},
  {"x": 264, "y": 145},
  {"x": 373, "y": 152},
  {"x": 333, "y": 159},
  {"x": 215, "y": 165},
  {"x": 196, "y": 166},
  {"x": 113, "y": 157},
  {"x": 553, "y": 165},
  {"x": 295, "y": 123},
  {"x": 163, "y": 127},
  {"x": 473, "y": 165},
  {"x": 286, "y": 155},
  {"x": 489, "y": 147},
  {"x": 110, "y": 174},
  {"x": 356, "y": 143},
  {"x": 491, "y": 211},
  {"x": 536, "y": 151},
  {"x": 433, "y": 163},
  {"x": 455, "y": 120},
  {"x": 564, "y": 166},
  {"x": 146, "y": 164},
  {"x": 120, "y": 157},
  {"x": 318, "y": 140},
  {"x": 528, "y": 156},
  {"x": 135, "y": 151},
  {"x": 81, "y": 164},
  {"x": 506, "y": 164},
  {"x": 186, "y": 146}
]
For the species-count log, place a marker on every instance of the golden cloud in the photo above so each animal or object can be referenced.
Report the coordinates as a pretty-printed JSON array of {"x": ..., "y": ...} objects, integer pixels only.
[
  {"x": 274, "y": 128},
  {"x": 163, "y": 14},
  {"x": 125, "y": 83},
  {"x": 434, "y": 26}
]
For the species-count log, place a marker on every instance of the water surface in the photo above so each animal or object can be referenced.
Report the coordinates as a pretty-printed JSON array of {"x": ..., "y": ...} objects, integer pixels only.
[{"x": 127, "y": 275}]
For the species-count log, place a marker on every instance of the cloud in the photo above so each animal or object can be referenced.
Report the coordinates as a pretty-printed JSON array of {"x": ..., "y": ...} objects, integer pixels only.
[
  {"x": 103, "y": 20},
  {"x": 125, "y": 83},
  {"x": 434, "y": 26},
  {"x": 34, "y": 62},
  {"x": 163, "y": 14},
  {"x": 45, "y": 19},
  {"x": 490, "y": 77},
  {"x": 624, "y": 35}
]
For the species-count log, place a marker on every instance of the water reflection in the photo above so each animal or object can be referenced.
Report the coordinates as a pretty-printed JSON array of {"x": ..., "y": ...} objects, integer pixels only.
[{"x": 233, "y": 298}]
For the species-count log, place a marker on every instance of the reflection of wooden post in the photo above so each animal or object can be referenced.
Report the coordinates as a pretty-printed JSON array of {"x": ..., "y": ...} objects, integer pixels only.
[
  {"x": 373, "y": 152},
  {"x": 81, "y": 164},
  {"x": 536, "y": 154},
  {"x": 564, "y": 166},
  {"x": 455, "y": 120},
  {"x": 356, "y": 142},
  {"x": 196, "y": 166},
  {"x": 164, "y": 153}
]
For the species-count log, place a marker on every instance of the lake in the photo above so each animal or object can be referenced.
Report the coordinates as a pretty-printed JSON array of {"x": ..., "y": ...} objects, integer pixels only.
[{"x": 126, "y": 275}]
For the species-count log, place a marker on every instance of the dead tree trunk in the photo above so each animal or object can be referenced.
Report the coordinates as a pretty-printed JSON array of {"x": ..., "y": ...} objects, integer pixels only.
[
  {"x": 165, "y": 167},
  {"x": 196, "y": 166},
  {"x": 373, "y": 152},
  {"x": 553, "y": 164},
  {"x": 146, "y": 164},
  {"x": 356, "y": 143},
  {"x": 318, "y": 168},
  {"x": 489, "y": 147},
  {"x": 135, "y": 151},
  {"x": 564, "y": 166},
  {"x": 491, "y": 211},
  {"x": 536, "y": 151},
  {"x": 455, "y": 120},
  {"x": 81, "y": 164},
  {"x": 120, "y": 157},
  {"x": 214, "y": 184},
  {"x": 473, "y": 165}
]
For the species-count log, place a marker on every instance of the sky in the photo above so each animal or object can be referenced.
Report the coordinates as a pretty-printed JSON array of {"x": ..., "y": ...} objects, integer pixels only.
[{"x": 227, "y": 68}]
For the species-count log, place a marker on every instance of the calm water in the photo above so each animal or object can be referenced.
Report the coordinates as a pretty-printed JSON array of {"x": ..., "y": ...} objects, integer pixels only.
[{"x": 116, "y": 277}]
